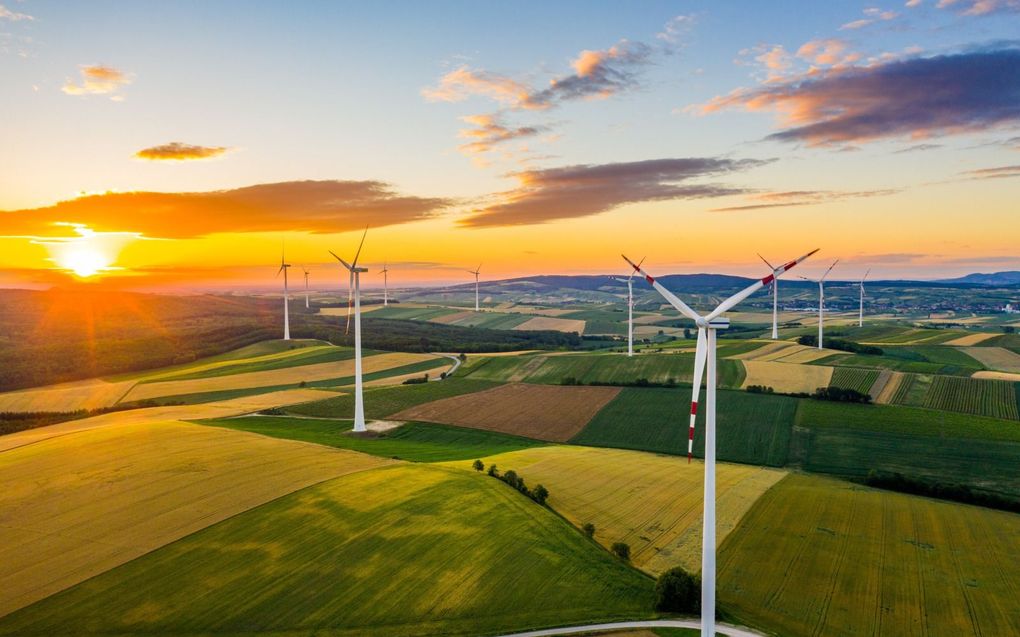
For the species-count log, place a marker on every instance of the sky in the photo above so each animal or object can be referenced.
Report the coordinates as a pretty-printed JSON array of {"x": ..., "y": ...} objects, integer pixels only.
[{"x": 182, "y": 146}]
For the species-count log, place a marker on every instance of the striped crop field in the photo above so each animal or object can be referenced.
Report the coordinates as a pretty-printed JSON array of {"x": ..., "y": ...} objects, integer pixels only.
[
  {"x": 552, "y": 323},
  {"x": 651, "y": 502},
  {"x": 816, "y": 556},
  {"x": 77, "y": 504},
  {"x": 993, "y": 398},
  {"x": 787, "y": 378},
  {"x": 996, "y": 358},
  {"x": 383, "y": 402},
  {"x": 86, "y": 394},
  {"x": 892, "y": 387},
  {"x": 395, "y": 552},
  {"x": 543, "y": 412},
  {"x": 970, "y": 339},
  {"x": 854, "y": 378}
]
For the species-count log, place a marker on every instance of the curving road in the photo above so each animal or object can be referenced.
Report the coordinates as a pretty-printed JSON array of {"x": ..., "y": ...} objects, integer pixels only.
[{"x": 720, "y": 629}]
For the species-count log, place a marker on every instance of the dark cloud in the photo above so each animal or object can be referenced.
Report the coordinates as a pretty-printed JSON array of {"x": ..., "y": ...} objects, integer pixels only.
[
  {"x": 789, "y": 198},
  {"x": 310, "y": 206},
  {"x": 920, "y": 97},
  {"x": 490, "y": 131},
  {"x": 582, "y": 190},
  {"x": 178, "y": 151},
  {"x": 597, "y": 75}
]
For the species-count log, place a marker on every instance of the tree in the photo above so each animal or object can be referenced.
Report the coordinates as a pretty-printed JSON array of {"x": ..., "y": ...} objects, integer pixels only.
[
  {"x": 621, "y": 550},
  {"x": 678, "y": 591},
  {"x": 540, "y": 494},
  {"x": 687, "y": 333},
  {"x": 589, "y": 529},
  {"x": 493, "y": 471},
  {"x": 479, "y": 465}
]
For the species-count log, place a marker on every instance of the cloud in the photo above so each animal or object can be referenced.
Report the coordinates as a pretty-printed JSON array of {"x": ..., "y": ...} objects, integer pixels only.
[
  {"x": 917, "y": 97},
  {"x": 464, "y": 82},
  {"x": 597, "y": 75},
  {"x": 309, "y": 206},
  {"x": 913, "y": 3},
  {"x": 177, "y": 151},
  {"x": 582, "y": 190},
  {"x": 13, "y": 16},
  {"x": 789, "y": 198},
  {"x": 916, "y": 148},
  {"x": 980, "y": 7},
  {"x": 827, "y": 52},
  {"x": 993, "y": 173},
  {"x": 489, "y": 131},
  {"x": 873, "y": 15},
  {"x": 98, "y": 80},
  {"x": 676, "y": 30}
]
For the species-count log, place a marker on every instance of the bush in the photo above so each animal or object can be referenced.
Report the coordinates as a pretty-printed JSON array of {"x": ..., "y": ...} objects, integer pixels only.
[
  {"x": 678, "y": 591},
  {"x": 760, "y": 389},
  {"x": 588, "y": 529},
  {"x": 841, "y": 395},
  {"x": 621, "y": 550},
  {"x": 478, "y": 465},
  {"x": 540, "y": 494},
  {"x": 493, "y": 471},
  {"x": 417, "y": 381},
  {"x": 842, "y": 345}
]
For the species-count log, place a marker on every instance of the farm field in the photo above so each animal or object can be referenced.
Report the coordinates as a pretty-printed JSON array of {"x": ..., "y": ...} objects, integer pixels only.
[
  {"x": 971, "y": 339},
  {"x": 308, "y": 355},
  {"x": 849, "y": 560},
  {"x": 414, "y": 441},
  {"x": 85, "y": 394},
  {"x": 322, "y": 560},
  {"x": 558, "y": 324},
  {"x": 542, "y": 412},
  {"x": 981, "y": 397},
  {"x": 651, "y": 502},
  {"x": 787, "y": 378},
  {"x": 487, "y": 319},
  {"x": 77, "y": 504},
  {"x": 750, "y": 428},
  {"x": 859, "y": 380},
  {"x": 380, "y": 403},
  {"x": 996, "y": 358}
]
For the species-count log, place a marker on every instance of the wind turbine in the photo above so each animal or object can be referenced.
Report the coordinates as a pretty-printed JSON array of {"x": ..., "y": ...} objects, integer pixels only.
[
  {"x": 704, "y": 356},
  {"x": 630, "y": 308},
  {"x": 354, "y": 290},
  {"x": 860, "y": 319},
  {"x": 821, "y": 298},
  {"x": 775, "y": 302},
  {"x": 306, "y": 286},
  {"x": 476, "y": 272},
  {"x": 386, "y": 284},
  {"x": 286, "y": 298}
]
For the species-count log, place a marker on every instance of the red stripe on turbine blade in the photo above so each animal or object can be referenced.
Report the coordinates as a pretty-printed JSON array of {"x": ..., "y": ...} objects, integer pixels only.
[
  {"x": 769, "y": 279},
  {"x": 648, "y": 278},
  {"x": 789, "y": 265},
  {"x": 694, "y": 408},
  {"x": 690, "y": 436}
]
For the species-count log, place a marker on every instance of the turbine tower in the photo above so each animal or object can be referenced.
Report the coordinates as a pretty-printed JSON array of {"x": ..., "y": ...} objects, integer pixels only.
[
  {"x": 286, "y": 298},
  {"x": 476, "y": 272},
  {"x": 306, "y": 286},
  {"x": 775, "y": 302},
  {"x": 821, "y": 298},
  {"x": 630, "y": 309},
  {"x": 705, "y": 356},
  {"x": 860, "y": 318},
  {"x": 354, "y": 291},
  {"x": 385, "y": 285}
]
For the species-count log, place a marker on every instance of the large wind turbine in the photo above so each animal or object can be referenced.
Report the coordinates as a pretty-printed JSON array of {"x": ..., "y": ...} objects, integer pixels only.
[
  {"x": 354, "y": 291},
  {"x": 821, "y": 298},
  {"x": 705, "y": 356},
  {"x": 476, "y": 272},
  {"x": 385, "y": 285},
  {"x": 305, "y": 270},
  {"x": 775, "y": 302},
  {"x": 286, "y": 298},
  {"x": 630, "y": 308},
  {"x": 860, "y": 319}
]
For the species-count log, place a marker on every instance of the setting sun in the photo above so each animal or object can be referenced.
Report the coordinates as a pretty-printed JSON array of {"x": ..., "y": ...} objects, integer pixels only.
[{"x": 84, "y": 261}]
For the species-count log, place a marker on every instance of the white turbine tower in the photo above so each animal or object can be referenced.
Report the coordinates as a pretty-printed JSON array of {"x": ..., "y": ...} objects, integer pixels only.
[
  {"x": 630, "y": 308},
  {"x": 860, "y": 318},
  {"x": 305, "y": 270},
  {"x": 385, "y": 285},
  {"x": 286, "y": 298},
  {"x": 354, "y": 291},
  {"x": 476, "y": 272},
  {"x": 705, "y": 356},
  {"x": 775, "y": 302},
  {"x": 821, "y": 299}
]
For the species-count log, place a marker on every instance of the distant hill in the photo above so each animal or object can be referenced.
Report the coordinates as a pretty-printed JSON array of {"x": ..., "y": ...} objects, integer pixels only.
[{"x": 1011, "y": 277}]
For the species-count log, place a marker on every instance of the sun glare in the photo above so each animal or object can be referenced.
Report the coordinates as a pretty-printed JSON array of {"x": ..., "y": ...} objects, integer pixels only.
[{"x": 84, "y": 260}]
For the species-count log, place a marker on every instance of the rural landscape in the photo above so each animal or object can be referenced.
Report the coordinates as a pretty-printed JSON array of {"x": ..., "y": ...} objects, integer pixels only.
[{"x": 766, "y": 387}]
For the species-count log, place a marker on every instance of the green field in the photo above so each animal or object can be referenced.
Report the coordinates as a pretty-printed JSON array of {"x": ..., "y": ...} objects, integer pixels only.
[
  {"x": 412, "y": 313},
  {"x": 405, "y": 550},
  {"x": 262, "y": 350},
  {"x": 994, "y": 398},
  {"x": 816, "y": 556},
  {"x": 414, "y": 441},
  {"x": 859, "y": 380},
  {"x": 383, "y": 401},
  {"x": 296, "y": 358},
  {"x": 897, "y": 334},
  {"x": 751, "y": 428},
  {"x": 492, "y": 320},
  {"x": 912, "y": 390},
  {"x": 918, "y": 359}
]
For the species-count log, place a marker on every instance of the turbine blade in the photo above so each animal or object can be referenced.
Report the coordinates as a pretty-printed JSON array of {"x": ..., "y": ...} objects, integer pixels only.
[
  {"x": 771, "y": 267},
  {"x": 279, "y": 271},
  {"x": 342, "y": 262},
  {"x": 358, "y": 253},
  {"x": 754, "y": 287},
  {"x": 700, "y": 355},
  {"x": 350, "y": 302},
  {"x": 673, "y": 299},
  {"x": 830, "y": 269},
  {"x": 865, "y": 276}
]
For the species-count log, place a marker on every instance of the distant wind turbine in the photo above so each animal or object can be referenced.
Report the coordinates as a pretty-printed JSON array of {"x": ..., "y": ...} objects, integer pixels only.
[
  {"x": 705, "y": 356},
  {"x": 385, "y": 285},
  {"x": 286, "y": 298},
  {"x": 306, "y": 287},
  {"x": 354, "y": 291},
  {"x": 476, "y": 272},
  {"x": 821, "y": 299},
  {"x": 860, "y": 318},
  {"x": 630, "y": 308},
  {"x": 775, "y": 302}
]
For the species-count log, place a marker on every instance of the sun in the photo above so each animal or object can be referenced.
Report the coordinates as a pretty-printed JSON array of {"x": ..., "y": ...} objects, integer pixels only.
[{"x": 84, "y": 260}]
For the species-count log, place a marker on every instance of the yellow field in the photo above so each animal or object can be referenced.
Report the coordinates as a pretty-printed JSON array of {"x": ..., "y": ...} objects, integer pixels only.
[
  {"x": 769, "y": 349},
  {"x": 86, "y": 394},
  {"x": 450, "y": 319},
  {"x": 998, "y": 359},
  {"x": 191, "y": 369},
  {"x": 651, "y": 502},
  {"x": 971, "y": 339},
  {"x": 318, "y": 371},
  {"x": 787, "y": 377},
  {"x": 76, "y": 505},
  {"x": 886, "y": 395},
  {"x": 552, "y": 323},
  {"x": 804, "y": 354},
  {"x": 342, "y": 311},
  {"x": 998, "y": 376},
  {"x": 817, "y": 556}
]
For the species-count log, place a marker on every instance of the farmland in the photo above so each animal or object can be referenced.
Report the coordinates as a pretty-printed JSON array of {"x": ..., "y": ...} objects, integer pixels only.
[
  {"x": 849, "y": 560},
  {"x": 383, "y": 402},
  {"x": 994, "y": 398},
  {"x": 651, "y": 502},
  {"x": 996, "y": 358},
  {"x": 542, "y": 412},
  {"x": 323, "y": 560},
  {"x": 859, "y": 380},
  {"x": 787, "y": 378}
]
